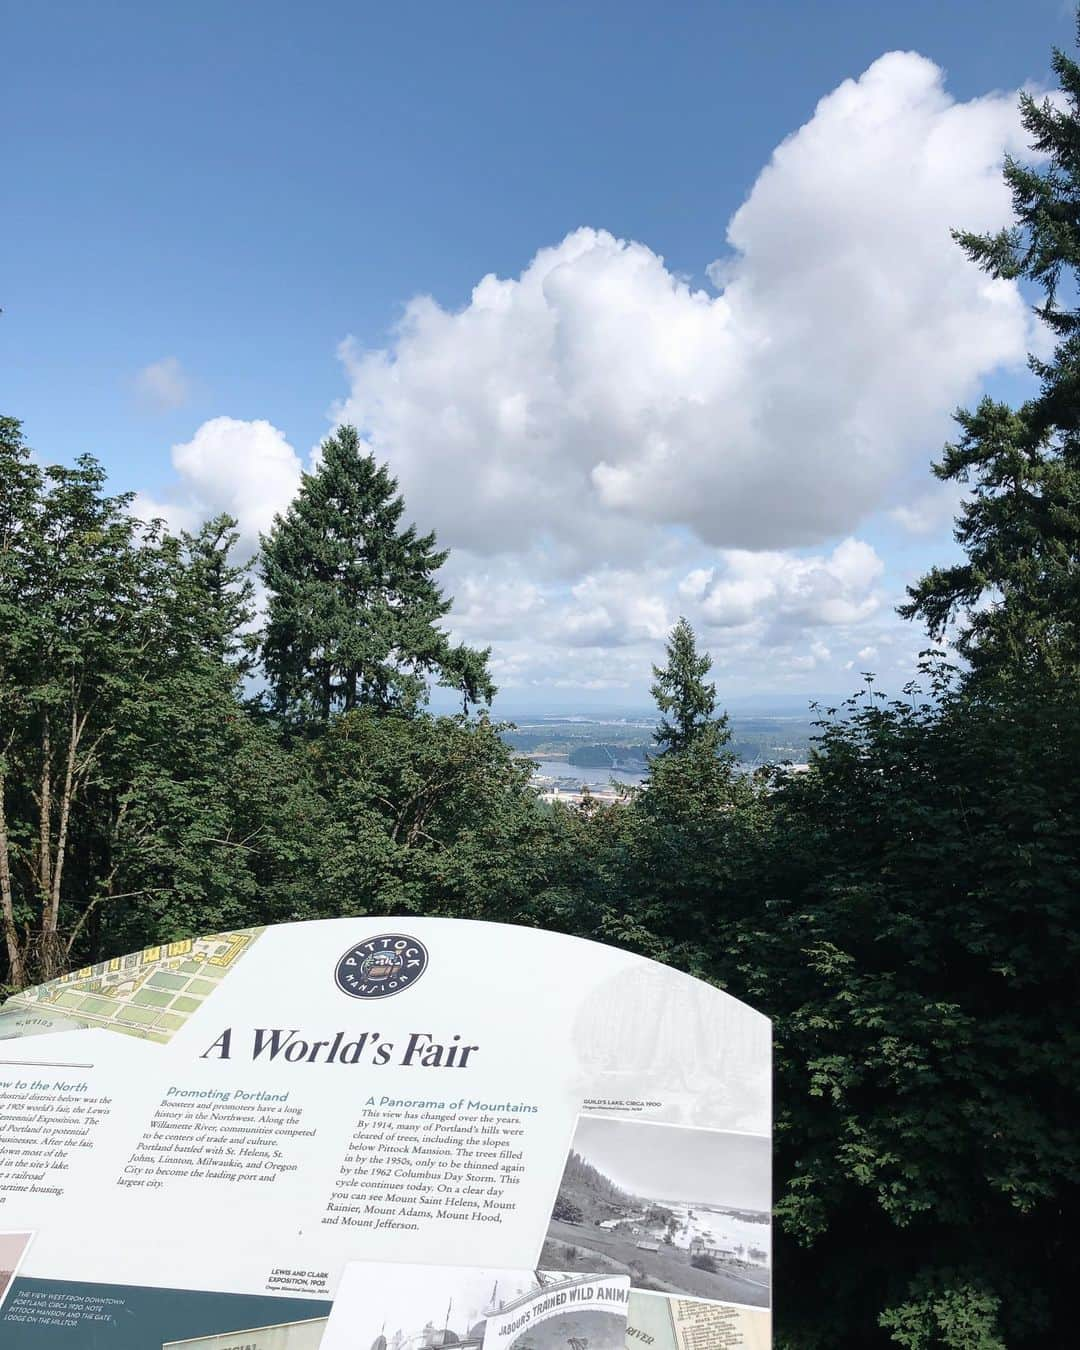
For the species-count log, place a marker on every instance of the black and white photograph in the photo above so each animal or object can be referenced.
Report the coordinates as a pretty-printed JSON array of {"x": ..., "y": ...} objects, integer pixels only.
[
  {"x": 414, "y": 1307},
  {"x": 681, "y": 1211}
]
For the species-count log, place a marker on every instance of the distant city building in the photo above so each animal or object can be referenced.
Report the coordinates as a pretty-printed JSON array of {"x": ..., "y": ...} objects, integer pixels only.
[{"x": 699, "y": 1247}]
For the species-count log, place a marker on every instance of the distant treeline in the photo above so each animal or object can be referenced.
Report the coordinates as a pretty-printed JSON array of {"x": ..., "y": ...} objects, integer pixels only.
[
  {"x": 770, "y": 745},
  {"x": 604, "y": 756}
]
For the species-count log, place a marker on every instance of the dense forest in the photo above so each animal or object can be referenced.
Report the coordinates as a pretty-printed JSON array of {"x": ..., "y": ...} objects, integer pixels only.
[{"x": 173, "y": 762}]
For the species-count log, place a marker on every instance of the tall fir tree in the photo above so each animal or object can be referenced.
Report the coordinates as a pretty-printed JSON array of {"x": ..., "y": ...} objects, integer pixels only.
[
  {"x": 687, "y": 702},
  {"x": 1015, "y": 598},
  {"x": 221, "y": 594},
  {"x": 354, "y": 607}
]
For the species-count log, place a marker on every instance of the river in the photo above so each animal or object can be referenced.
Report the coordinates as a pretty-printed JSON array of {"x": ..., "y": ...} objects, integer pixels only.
[{"x": 595, "y": 777}]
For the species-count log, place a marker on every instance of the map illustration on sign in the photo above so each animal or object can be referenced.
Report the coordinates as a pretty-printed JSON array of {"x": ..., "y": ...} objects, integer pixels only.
[
  {"x": 149, "y": 994},
  {"x": 395, "y": 1105}
]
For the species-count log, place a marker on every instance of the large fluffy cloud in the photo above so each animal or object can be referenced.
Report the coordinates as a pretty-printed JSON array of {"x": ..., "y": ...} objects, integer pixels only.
[
  {"x": 788, "y": 591},
  {"x": 605, "y": 445},
  {"x": 765, "y": 616},
  {"x": 597, "y": 388}
]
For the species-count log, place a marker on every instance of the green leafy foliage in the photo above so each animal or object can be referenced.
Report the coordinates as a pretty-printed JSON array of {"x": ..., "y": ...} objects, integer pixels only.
[
  {"x": 422, "y": 815},
  {"x": 119, "y": 662},
  {"x": 144, "y": 795}
]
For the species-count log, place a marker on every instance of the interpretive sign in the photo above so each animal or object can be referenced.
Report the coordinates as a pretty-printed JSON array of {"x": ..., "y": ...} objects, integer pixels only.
[{"x": 303, "y": 1136}]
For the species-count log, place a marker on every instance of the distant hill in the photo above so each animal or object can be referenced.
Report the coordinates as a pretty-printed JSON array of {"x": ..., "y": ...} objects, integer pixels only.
[
  {"x": 602, "y": 744},
  {"x": 605, "y": 756}
]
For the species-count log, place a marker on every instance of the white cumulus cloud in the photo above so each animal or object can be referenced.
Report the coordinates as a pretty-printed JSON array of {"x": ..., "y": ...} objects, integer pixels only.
[
  {"x": 605, "y": 445},
  {"x": 787, "y": 590},
  {"x": 598, "y": 387},
  {"x": 245, "y": 468}
]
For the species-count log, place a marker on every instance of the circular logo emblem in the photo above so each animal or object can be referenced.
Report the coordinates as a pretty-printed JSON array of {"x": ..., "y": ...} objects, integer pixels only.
[{"x": 381, "y": 966}]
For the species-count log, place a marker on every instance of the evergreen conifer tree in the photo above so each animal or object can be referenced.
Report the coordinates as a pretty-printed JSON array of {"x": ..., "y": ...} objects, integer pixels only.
[
  {"x": 1017, "y": 592},
  {"x": 686, "y": 701},
  {"x": 221, "y": 594},
  {"x": 354, "y": 606}
]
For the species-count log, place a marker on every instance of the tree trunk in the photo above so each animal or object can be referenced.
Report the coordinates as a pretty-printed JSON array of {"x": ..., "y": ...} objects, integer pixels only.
[
  {"x": 44, "y": 865},
  {"x": 52, "y": 916}
]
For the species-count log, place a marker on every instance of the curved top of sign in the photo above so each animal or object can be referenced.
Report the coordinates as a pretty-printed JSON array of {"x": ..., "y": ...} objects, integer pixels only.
[
  {"x": 402, "y": 1089},
  {"x": 617, "y": 1015}
]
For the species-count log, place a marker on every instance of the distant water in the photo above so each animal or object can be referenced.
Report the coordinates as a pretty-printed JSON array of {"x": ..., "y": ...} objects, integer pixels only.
[
  {"x": 596, "y": 777},
  {"x": 721, "y": 1228},
  {"x": 559, "y": 768}
]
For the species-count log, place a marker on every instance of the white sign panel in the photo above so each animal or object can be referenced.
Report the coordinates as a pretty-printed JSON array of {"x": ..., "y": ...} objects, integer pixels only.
[{"x": 202, "y": 1137}]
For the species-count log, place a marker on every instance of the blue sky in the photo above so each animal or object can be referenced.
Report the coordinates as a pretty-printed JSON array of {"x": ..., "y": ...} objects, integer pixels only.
[{"x": 203, "y": 201}]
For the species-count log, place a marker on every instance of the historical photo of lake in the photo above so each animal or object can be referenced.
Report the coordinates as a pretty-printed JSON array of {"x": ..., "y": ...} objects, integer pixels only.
[{"x": 680, "y": 1210}]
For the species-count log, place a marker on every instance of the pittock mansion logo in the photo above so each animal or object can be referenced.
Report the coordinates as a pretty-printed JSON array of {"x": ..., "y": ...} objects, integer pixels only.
[{"x": 381, "y": 966}]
